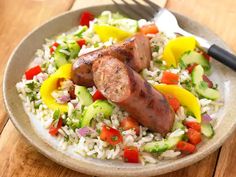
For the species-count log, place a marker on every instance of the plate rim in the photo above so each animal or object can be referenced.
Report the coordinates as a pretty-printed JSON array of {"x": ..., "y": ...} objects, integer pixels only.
[{"x": 175, "y": 165}]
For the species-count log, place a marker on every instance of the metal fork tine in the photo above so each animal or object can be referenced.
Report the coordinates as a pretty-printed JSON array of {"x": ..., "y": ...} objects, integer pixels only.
[
  {"x": 120, "y": 8},
  {"x": 144, "y": 8},
  {"x": 124, "y": 10},
  {"x": 142, "y": 15},
  {"x": 152, "y": 5}
]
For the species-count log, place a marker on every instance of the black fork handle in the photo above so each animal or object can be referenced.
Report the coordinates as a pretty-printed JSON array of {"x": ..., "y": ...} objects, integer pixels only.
[{"x": 223, "y": 56}]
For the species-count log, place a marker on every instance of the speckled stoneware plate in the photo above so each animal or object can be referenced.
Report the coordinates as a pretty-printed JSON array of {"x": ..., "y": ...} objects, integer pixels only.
[{"x": 23, "y": 55}]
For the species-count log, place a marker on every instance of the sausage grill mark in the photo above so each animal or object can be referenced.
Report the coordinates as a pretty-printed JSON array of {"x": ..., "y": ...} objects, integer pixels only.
[
  {"x": 131, "y": 92},
  {"x": 136, "y": 52},
  {"x": 151, "y": 104},
  {"x": 142, "y": 94}
]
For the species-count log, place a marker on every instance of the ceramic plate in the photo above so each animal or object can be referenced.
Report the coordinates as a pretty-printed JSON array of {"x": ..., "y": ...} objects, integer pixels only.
[{"x": 23, "y": 55}]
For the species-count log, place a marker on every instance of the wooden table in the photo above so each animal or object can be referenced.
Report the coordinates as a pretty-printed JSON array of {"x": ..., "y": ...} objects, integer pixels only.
[{"x": 19, "y": 158}]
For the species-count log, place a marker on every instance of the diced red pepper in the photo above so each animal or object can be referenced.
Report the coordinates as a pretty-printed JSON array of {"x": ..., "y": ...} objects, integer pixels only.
[
  {"x": 129, "y": 123},
  {"x": 81, "y": 42},
  {"x": 173, "y": 101},
  {"x": 186, "y": 147},
  {"x": 149, "y": 29},
  {"x": 194, "y": 136},
  {"x": 208, "y": 81},
  {"x": 131, "y": 154},
  {"x": 54, "y": 45},
  {"x": 85, "y": 18},
  {"x": 194, "y": 125},
  {"x": 169, "y": 78},
  {"x": 111, "y": 135},
  {"x": 54, "y": 130},
  {"x": 191, "y": 67},
  {"x": 206, "y": 56},
  {"x": 30, "y": 73},
  {"x": 98, "y": 96}
]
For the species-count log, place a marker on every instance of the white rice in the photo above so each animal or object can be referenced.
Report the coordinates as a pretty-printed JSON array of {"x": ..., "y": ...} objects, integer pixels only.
[{"x": 93, "y": 146}]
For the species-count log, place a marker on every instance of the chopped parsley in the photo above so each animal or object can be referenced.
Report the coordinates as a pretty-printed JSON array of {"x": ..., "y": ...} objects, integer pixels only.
[
  {"x": 156, "y": 49},
  {"x": 31, "y": 85},
  {"x": 114, "y": 138},
  {"x": 32, "y": 96},
  {"x": 181, "y": 64},
  {"x": 187, "y": 84},
  {"x": 56, "y": 115}
]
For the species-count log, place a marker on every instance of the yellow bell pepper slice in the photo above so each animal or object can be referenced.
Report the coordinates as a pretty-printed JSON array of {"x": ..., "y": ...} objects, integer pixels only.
[
  {"x": 50, "y": 84},
  {"x": 185, "y": 98},
  {"x": 176, "y": 47},
  {"x": 105, "y": 32}
]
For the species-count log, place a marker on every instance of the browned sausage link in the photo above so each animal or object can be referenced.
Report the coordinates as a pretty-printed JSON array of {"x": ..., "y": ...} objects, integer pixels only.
[
  {"x": 125, "y": 87},
  {"x": 135, "y": 52},
  {"x": 82, "y": 67}
]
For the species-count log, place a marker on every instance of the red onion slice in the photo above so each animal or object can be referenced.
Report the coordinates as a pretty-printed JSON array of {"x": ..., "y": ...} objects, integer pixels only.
[
  {"x": 64, "y": 99},
  {"x": 83, "y": 131},
  {"x": 206, "y": 118}
]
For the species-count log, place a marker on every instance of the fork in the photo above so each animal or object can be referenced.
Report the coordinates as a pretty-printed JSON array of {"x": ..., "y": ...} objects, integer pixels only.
[{"x": 166, "y": 21}]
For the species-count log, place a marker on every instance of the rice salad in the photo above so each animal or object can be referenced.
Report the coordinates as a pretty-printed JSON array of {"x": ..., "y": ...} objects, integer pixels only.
[{"x": 194, "y": 113}]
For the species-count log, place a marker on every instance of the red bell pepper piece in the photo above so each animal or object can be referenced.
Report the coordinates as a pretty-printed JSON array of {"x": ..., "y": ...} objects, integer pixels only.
[
  {"x": 81, "y": 42},
  {"x": 98, "y": 96},
  {"x": 169, "y": 78},
  {"x": 173, "y": 101},
  {"x": 52, "y": 48},
  {"x": 186, "y": 147},
  {"x": 131, "y": 154},
  {"x": 129, "y": 123},
  {"x": 111, "y": 135},
  {"x": 54, "y": 130},
  {"x": 194, "y": 136},
  {"x": 85, "y": 18},
  {"x": 30, "y": 73},
  {"x": 191, "y": 67},
  {"x": 149, "y": 29},
  {"x": 194, "y": 125}
]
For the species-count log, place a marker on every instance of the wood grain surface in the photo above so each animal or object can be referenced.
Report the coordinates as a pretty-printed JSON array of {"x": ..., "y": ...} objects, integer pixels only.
[
  {"x": 17, "y": 19},
  {"x": 19, "y": 158}
]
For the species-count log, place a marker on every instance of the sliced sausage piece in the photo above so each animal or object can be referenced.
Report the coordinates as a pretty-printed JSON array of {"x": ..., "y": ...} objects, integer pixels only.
[
  {"x": 135, "y": 52},
  {"x": 141, "y": 50},
  {"x": 125, "y": 87}
]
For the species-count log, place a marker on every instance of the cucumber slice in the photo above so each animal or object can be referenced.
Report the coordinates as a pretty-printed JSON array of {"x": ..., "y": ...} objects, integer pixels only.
[
  {"x": 156, "y": 146},
  {"x": 201, "y": 86},
  {"x": 126, "y": 24},
  {"x": 177, "y": 125},
  {"x": 104, "y": 18},
  {"x": 207, "y": 130},
  {"x": 163, "y": 145},
  {"x": 74, "y": 50},
  {"x": 117, "y": 16},
  {"x": 172, "y": 141},
  {"x": 60, "y": 58},
  {"x": 192, "y": 57},
  {"x": 98, "y": 107},
  {"x": 119, "y": 21},
  {"x": 208, "y": 93},
  {"x": 85, "y": 98},
  {"x": 197, "y": 74}
]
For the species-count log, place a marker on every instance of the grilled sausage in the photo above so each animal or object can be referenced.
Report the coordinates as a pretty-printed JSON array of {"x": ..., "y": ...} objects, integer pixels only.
[
  {"x": 122, "y": 85},
  {"x": 135, "y": 52}
]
